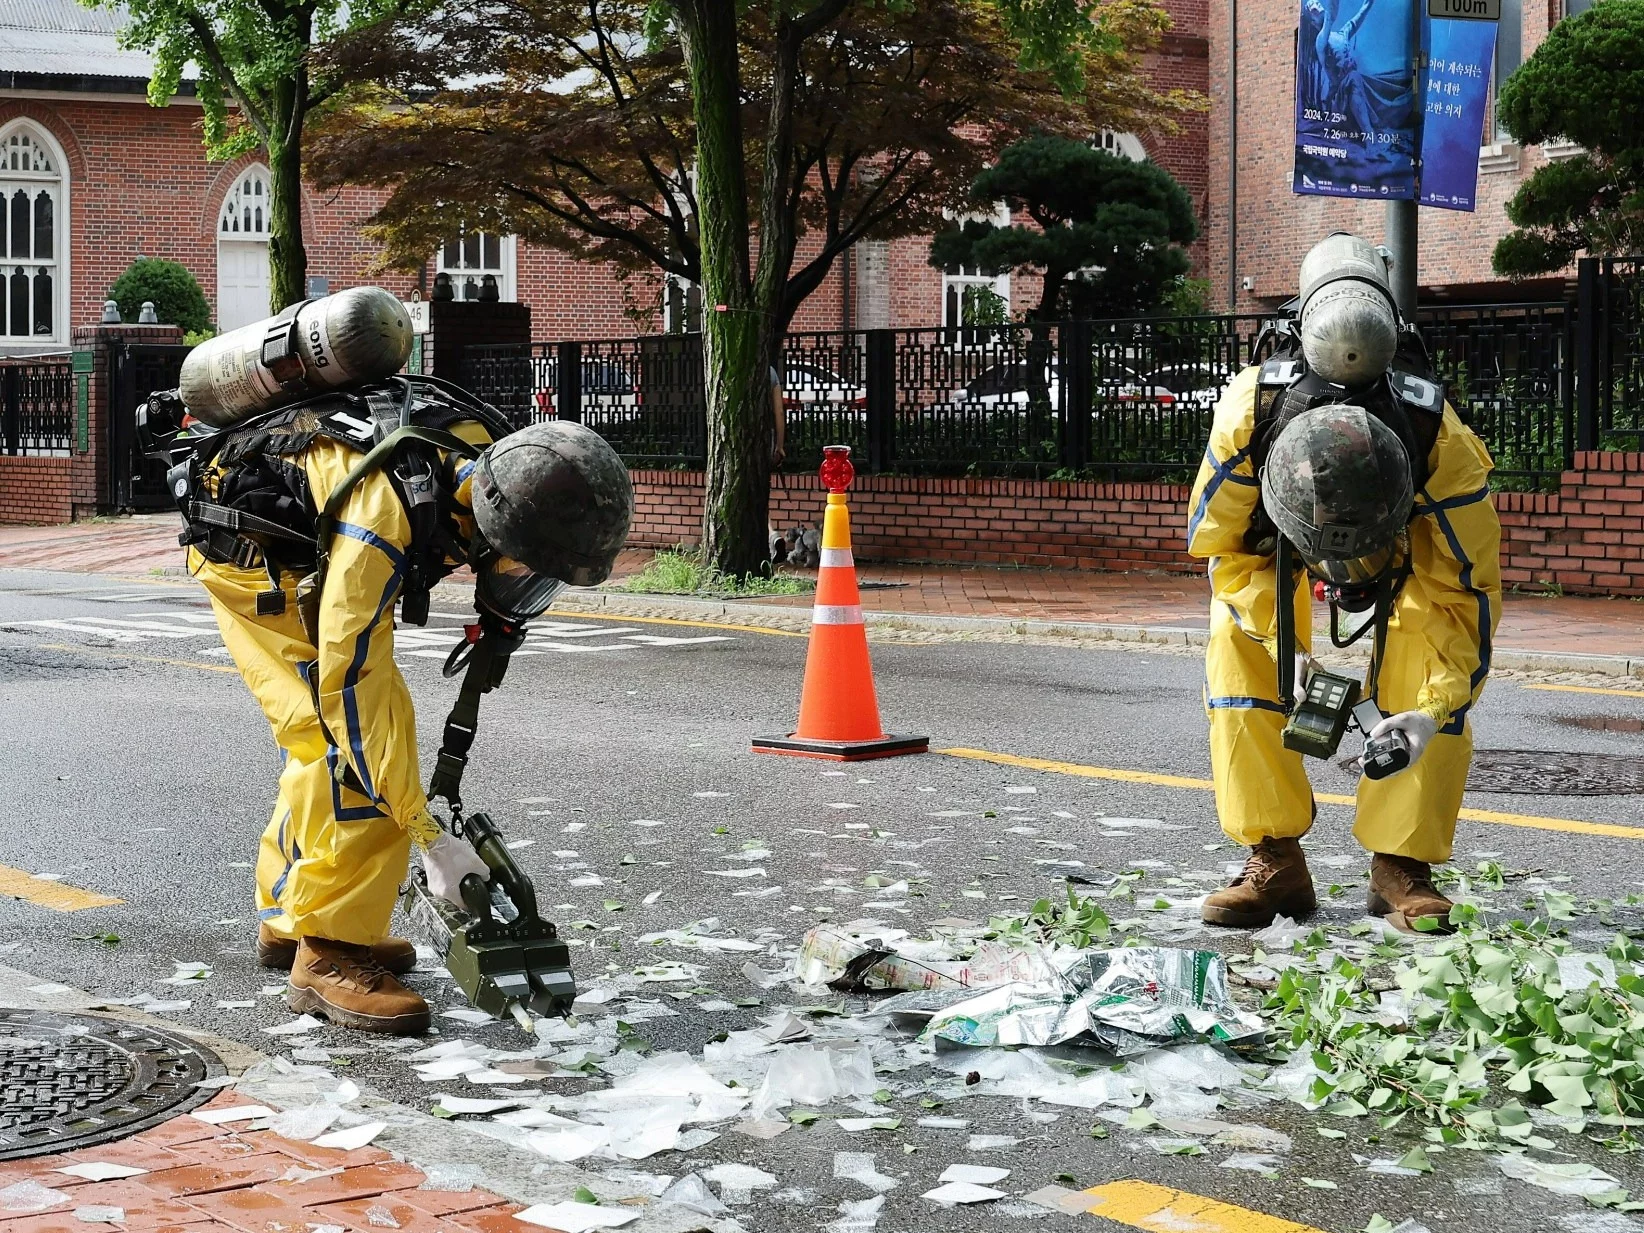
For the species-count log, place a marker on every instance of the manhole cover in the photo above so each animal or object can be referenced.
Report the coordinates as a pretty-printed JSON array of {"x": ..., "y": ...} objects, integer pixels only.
[
  {"x": 1540, "y": 772},
  {"x": 67, "y": 1081}
]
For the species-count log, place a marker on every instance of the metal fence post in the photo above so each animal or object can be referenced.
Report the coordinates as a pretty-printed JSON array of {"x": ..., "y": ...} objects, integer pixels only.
[
  {"x": 11, "y": 408},
  {"x": 1074, "y": 364},
  {"x": 568, "y": 383},
  {"x": 881, "y": 399},
  {"x": 1589, "y": 328}
]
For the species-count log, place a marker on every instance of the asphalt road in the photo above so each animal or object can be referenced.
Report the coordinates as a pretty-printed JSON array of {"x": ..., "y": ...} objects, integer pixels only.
[{"x": 140, "y": 768}]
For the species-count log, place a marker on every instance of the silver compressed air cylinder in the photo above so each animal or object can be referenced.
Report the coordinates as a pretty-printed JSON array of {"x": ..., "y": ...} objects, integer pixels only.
[
  {"x": 356, "y": 336},
  {"x": 1349, "y": 327}
]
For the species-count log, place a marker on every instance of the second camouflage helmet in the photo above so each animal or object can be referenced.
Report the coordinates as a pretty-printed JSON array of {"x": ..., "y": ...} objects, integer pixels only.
[
  {"x": 1337, "y": 485},
  {"x": 556, "y": 498}
]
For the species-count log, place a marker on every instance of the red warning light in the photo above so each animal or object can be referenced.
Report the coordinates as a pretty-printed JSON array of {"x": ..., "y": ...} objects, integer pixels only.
[{"x": 837, "y": 472}]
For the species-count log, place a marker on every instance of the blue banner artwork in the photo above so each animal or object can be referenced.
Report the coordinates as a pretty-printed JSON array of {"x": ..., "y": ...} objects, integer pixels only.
[
  {"x": 1356, "y": 113},
  {"x": 1457, "y": 91}
]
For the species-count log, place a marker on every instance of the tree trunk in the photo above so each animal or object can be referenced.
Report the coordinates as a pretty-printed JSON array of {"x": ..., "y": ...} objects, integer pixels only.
[
  {"x": 1039, "y": 434},
  {"x": 287, "y": 258},
  {"x": 736, "y": 353}
]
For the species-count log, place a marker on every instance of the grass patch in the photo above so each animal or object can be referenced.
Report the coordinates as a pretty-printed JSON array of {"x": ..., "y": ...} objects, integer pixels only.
[{"x": 686, "y": 573}]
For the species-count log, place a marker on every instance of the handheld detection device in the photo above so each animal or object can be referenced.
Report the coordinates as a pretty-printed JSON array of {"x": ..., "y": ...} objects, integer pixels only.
[
  {"x": 1385, "y": 756},
  {"x": 1317, "y": 724}
]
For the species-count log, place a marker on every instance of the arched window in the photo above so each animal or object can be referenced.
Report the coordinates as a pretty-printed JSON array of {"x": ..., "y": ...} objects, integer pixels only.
[
  {"x": 33, "y": 236},
  {"x": 242, "y": 250},
  {"x": 244, "y": 215},
  {"x": 1125, "y": 145}
]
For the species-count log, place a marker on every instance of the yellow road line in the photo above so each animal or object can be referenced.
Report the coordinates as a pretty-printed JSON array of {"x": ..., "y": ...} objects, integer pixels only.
[
  {"x": 42, "y": 892},
  {"x": 1591, "y": 689},
  {"x": 1159, "y": 1209},
  {"x": 147, "y": 659},
  {"x": 1574, "y": 826},
  {"x": 555, "y": 613},
  {"x": 1078, "y": 768}
]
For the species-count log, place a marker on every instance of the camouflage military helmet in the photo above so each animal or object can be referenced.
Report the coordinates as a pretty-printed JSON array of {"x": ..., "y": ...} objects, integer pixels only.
[
  {"x": 1337, "y": 485},
  {"x": 555, "y": 500}
]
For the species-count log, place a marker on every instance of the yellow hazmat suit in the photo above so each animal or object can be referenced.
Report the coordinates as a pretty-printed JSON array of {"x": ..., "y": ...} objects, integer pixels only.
[
  {"x": 350, "y": 799},
  {"x": 1438, "y": 644}
]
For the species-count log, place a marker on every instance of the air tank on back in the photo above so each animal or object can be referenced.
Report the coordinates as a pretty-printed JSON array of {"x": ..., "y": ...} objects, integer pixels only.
[
  {"x": 1348, "y": 325},
  {"x": 359, "y": 335}
]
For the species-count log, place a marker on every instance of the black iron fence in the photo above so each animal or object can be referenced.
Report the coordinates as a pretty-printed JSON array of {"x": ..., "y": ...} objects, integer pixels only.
[
  {"x": 1118, "y": 399},
  {"x": 1610, "y": 293},
  {"x": 36, "y": 406},
  {"x": 136, "y": 370}
]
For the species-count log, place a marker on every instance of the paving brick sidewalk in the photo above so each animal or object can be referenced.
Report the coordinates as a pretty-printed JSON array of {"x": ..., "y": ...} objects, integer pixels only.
[
  {"x": 200, "y": 1178},
  {"x": 1566, "y": 625}
]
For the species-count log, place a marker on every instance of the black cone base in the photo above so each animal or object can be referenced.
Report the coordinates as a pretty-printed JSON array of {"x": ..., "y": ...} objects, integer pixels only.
[{"x": 841, "y": 751}]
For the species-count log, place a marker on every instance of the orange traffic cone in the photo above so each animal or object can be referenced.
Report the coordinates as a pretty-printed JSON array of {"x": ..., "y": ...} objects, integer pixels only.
[{"x": 838, "y": 713}]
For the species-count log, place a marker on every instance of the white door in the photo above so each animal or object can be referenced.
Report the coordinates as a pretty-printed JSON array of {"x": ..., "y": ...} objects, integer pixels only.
[
  {"x": 242, "y": 283},
  {"x": 242, "y": 250}
]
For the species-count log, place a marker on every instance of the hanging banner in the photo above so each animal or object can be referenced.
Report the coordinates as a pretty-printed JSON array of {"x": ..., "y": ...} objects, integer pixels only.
[
  {"x": 1356, "y": 113},
  {"x": 1460, "y": 57}
]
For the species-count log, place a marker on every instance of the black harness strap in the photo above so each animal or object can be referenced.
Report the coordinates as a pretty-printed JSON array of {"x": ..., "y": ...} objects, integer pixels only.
[{"x": 483, "y": 659}]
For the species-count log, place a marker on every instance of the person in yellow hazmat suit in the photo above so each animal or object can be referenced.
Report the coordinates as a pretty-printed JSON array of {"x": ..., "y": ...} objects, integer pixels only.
[
  {"x": 305, "y": 538},
  {"x": 1342, "y": 450}
]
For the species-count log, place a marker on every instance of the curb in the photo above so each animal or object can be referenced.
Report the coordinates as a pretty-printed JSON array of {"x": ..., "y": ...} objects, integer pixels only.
[{"x": 754, "y": 615}]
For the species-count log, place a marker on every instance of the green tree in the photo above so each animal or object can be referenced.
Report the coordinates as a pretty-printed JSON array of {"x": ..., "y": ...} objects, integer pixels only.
[
  {"x": 1105, "y": 232},
  {"x": 176, "y": 295},
  {"x": 257, "y": 89},
  {"x": 1584, "y": 84},
  {"x": 668, "y": 136}
]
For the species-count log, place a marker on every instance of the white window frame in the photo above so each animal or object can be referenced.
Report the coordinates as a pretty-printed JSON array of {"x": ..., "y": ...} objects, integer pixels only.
[
  {"x": 677, "y": 311},
  {"x": 1125, "y": 145},
  {"x": 56, "y": 183},
  {"x": 965, "y": 277},
  {"x": 247, "y": 203},
  {"x": 507, "y": 249},
  {"x": 677, "y": 290}
]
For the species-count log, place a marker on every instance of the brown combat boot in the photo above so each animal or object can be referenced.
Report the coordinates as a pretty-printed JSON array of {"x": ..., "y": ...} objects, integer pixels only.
[
  {"x": 1274, "y": 882},
  {"x": 1402, "y": 892},
  {"x": 393, "y": 954},
  {"x": 347, "y": 985}
]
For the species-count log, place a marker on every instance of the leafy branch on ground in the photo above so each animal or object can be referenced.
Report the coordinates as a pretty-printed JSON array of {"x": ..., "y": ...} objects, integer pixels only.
[
  {"x": 679, "y": 572},
  {"x": 1493, "y": 1017}
]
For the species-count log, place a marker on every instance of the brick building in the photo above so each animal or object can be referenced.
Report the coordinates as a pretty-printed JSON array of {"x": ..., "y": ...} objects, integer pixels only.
[
  {"x": 93, "y": 177},
  {"x": 1259, "y": 229}
]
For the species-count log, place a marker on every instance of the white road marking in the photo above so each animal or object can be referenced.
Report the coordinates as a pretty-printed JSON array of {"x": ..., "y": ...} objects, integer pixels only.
[{"x": 544, "y": 637}]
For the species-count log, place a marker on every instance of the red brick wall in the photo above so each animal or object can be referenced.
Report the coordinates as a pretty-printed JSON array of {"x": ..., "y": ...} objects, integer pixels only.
[
  {"x": 48, "y": 490},
  {"x": 139, "y": 185},
  {"x": 1588, "y": 538},
  {"x": 982, "y": 521}
]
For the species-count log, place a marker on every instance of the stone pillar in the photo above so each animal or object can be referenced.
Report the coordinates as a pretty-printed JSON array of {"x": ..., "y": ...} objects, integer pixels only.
[
  {"x": 456, "y": 325},
  {"x": 873, "y": 285},
  {"x": 93, "y": 363}
]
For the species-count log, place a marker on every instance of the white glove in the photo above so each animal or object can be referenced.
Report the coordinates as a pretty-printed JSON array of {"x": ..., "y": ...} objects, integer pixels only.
[
  {"x": 1418, "y": 727},
  {"x": 447, "y": 862},
  {"x": 1306, "y": 666}
]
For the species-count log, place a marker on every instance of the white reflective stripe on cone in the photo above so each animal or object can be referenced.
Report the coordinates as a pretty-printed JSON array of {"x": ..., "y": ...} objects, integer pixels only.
[
  {"x": 836, "y": 556},
  {"x": 837, "y": 614}
]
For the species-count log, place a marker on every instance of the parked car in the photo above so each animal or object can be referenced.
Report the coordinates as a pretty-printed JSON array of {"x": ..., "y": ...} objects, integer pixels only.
[
  {"x": 1005, "y": 385},
  {"x": 811, "y": 383},
  {"x": 606, "y": 385},
  {"x": 1201, "y": 384}
]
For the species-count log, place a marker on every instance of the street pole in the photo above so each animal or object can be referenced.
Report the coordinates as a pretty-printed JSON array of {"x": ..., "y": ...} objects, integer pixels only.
[
  {"x": 1402, "y": 227},
  {"x": 1401, "y": 242}
]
